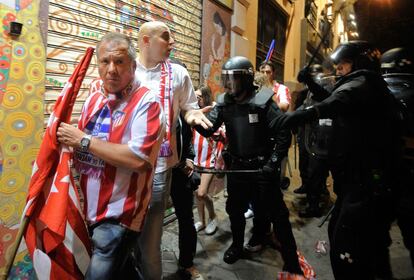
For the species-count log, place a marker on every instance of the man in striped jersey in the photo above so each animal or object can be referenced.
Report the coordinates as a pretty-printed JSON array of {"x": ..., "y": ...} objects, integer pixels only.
[
  {"x": 173, "y": 87},
  {"x": 282, "y": 94},
  {"x": 116, "y": 145}
]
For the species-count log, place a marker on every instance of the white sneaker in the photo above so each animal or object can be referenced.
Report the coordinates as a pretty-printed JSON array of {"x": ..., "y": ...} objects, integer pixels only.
[
  {"x": 248, "y": 214},
  {"x": 211, "y": 226},
  {"x": 199, "y": 226}
]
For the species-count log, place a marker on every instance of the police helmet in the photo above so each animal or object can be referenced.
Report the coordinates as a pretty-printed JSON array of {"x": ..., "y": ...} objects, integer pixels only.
[
  {"x": 237, "y": 75},
  {"x": 361, "y": 53},
  {"x": 398, "y": 60}
]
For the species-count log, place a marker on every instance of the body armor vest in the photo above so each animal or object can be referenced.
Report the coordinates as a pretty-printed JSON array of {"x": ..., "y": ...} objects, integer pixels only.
[{"x": 246, "y": 124}]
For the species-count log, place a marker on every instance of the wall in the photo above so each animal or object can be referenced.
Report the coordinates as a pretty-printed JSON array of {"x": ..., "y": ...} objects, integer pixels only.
[
  {"x": 22, "y": 72},
  {"x": 215, "y": 47}
]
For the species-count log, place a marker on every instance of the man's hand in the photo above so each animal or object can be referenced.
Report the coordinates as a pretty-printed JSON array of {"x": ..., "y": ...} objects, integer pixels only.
[
  {"x": 69, "y": 135},
  {"x": 188, "y": 167},
  {"x": 197, "y": 117}
]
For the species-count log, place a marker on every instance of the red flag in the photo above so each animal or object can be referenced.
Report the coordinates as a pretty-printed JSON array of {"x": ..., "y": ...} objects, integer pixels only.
[{"x": 56, "y": 235}]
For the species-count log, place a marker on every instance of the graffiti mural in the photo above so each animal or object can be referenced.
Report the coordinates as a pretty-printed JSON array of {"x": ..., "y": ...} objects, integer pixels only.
[
  {"x": 216, "y": 44},
  {"x": 22, "y": 72}
]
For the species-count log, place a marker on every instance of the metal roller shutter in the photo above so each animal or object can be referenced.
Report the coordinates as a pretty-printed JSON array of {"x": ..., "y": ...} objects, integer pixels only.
[{"x": 75, "y": 25}]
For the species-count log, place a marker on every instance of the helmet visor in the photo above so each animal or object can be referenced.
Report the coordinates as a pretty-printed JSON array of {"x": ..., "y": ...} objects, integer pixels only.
[{"x": 232, "y": 81}]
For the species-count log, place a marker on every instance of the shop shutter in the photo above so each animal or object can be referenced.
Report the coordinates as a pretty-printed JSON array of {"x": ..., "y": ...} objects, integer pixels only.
[{"x": 75, "y": 25}]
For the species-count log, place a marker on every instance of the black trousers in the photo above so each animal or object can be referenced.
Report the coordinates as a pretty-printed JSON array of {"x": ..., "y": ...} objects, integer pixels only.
[
  {"x": 182, "y": 197},
  {"x": 267, "y": 201},
  {"x": 318, "y": 171},
  {"x": 351, "y": 239},
  {"x": 405, "y": 207},
  {"x": 303, "y": 157}
]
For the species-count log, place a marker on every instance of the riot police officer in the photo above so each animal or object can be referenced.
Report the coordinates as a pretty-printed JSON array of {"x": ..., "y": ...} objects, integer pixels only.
[
  {"x": 364, "y": 144},
  {"x": 318, "y": 137},
  {"x": 300, "y": 101},
  {"x": 253, "y": 143},
  {"x": 397, "y": 66},
  {"x": 314, "y": 140}
]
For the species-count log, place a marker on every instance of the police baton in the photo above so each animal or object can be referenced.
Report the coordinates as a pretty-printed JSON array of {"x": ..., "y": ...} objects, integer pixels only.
[
  {"x": 341, "y": 4},
  {"x": 327, "y": 216},
  {"x": 217, "y": 171}
]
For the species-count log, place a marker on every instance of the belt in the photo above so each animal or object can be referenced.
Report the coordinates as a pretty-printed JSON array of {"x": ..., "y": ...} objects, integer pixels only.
[{"x": 259, "y": 160}]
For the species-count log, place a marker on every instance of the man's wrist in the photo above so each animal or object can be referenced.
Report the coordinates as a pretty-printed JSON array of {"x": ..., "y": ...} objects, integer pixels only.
[{"x": 85, "y": 142}]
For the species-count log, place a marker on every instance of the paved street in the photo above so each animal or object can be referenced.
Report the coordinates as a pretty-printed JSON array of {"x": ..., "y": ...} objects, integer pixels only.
[{"x": 266, "y": 264}]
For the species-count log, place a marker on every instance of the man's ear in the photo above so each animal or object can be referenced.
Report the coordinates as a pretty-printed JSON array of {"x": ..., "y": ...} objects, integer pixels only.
[
  {"x": 134, "y": 65},
  {"x": 146, "y": 39}
]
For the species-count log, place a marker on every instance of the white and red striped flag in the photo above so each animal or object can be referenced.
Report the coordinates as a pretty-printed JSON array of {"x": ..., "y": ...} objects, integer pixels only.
[{"x": 56, "y": 235}]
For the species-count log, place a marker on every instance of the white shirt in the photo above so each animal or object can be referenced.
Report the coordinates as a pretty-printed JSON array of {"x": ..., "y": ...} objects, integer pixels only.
[{"x": 184, "y": 98}]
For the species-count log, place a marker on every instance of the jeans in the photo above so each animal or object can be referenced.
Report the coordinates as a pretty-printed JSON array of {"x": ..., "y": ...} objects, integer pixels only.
[
  {"x": 148, "y": 248},
  {"x": 111, "y": 255},
  {"x": 182, "y": 197}
]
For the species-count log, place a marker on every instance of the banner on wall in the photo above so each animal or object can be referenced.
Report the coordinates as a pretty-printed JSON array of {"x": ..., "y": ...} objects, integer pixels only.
[{"x": 215, "y": 48}]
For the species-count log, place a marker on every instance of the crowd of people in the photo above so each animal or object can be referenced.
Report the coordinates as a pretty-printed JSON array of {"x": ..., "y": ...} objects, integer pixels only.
[{"x": 144, "y": 129}]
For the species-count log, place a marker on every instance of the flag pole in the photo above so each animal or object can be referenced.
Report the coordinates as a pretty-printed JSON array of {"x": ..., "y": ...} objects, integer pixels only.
[
  {"x": 16, "y": 244},
  {"x": 270, "y": 51}
]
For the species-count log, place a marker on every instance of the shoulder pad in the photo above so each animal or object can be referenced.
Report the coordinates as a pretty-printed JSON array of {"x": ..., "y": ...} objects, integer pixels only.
[{"x": 262, "y": 97}]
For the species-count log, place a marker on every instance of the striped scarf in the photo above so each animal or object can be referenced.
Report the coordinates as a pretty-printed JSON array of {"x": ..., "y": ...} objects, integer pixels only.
[
  {"x": 166, "y": 99},
  {"x": 99, "y": 127}
]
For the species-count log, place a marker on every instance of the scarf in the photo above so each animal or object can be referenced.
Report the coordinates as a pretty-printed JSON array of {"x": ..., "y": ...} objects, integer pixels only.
[{"x": 166, "y": 97}]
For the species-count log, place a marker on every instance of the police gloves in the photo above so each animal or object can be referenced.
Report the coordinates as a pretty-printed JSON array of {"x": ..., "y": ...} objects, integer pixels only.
[
  {"x": 299, "y": 117},
  {"x": 304, "y": 75}
]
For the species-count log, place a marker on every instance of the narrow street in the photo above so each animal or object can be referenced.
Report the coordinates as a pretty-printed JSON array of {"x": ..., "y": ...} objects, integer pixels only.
[{"x": 267, "y": 263}]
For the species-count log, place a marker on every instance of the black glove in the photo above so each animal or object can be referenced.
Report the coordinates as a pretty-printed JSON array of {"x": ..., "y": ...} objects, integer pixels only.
[
  {"x": 304, "y": 75},
  {"x": 272, "y": 164},
  {"x": 294, "y": 119}
]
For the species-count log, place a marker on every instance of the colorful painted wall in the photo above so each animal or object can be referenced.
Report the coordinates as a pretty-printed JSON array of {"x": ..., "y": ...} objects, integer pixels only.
[
  {"x": 215, "y": 49},
  {"x": 22, "y": 87}
]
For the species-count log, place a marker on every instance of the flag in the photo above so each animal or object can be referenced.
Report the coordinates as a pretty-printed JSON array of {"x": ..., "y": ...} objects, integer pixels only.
[
  {"x": 271, "y": 49},
  {"x": 56, "y": 235},
  {"x": 307, "y": 269}
]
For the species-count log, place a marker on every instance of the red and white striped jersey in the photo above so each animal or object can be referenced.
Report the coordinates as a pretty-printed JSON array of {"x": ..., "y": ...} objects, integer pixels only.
[
  {"x": 282, "y": 93},
  {"x": 208, "y": 151},
  {"x": 121, "y": 193}
]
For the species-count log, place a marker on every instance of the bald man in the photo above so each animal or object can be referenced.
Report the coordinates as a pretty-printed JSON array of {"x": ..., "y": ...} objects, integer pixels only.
[{"x": 173, "y": 86}]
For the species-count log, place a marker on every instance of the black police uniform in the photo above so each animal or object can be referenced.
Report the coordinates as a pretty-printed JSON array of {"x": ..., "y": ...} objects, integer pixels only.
[
  {"x": 250, "y": 130},
  {"x": 401, "y": 86},
  {"x": 317, "y": 137},
  {"x": 361, "y": 158},
  {"x": 182, "y": 197},
  {"x": 363, "y": 155}
]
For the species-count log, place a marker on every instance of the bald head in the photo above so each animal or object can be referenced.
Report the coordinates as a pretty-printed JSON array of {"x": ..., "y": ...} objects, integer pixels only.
[
  {"x": 154, "y": 43},
  {"x": 152, "y": 28}
]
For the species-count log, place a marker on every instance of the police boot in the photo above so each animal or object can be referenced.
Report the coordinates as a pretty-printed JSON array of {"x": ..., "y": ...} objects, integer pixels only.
[
  {"x": 233, "y": 254},
  {"x": 313, "y": 210}
]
